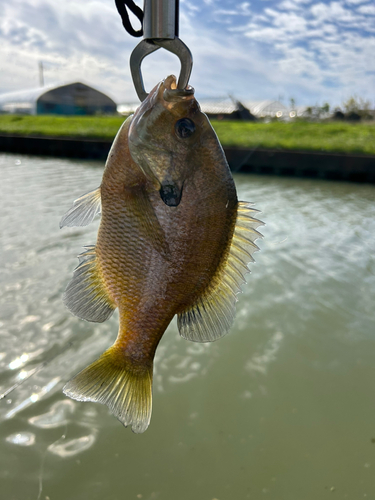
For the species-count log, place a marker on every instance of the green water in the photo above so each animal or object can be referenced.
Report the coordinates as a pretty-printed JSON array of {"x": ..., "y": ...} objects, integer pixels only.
[{"x": 282, "y": 408}]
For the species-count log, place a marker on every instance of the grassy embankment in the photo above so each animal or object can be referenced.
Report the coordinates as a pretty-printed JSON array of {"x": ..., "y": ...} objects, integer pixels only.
[{"x": 330, "y": 136}]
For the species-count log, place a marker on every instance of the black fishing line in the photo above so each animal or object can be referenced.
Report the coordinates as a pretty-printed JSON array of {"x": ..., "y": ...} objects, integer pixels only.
[
  {"x": 33, "y": 371},
  {"x": 122, "y": 6}
]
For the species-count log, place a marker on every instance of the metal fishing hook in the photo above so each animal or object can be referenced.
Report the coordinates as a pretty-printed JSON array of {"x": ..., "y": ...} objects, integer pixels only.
[{"x": 160, "y": 30}]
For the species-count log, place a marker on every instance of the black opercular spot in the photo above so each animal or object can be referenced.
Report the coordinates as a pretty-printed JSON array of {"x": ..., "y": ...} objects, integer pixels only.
[
  {"x": 184, "y": 128},
  {"x": 171, "y": 195}
]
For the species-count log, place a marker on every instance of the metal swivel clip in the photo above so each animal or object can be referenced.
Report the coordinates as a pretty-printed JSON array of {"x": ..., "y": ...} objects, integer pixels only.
[{"x": 160, "y": 30}]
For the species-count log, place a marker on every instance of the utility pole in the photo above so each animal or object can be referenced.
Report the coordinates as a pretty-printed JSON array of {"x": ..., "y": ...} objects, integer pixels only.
[{"x": 41, "y": 75}]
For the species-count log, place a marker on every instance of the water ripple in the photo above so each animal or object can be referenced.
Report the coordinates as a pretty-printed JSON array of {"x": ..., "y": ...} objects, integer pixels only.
[
  {"x": 304, "y": 335},
  {"x": 21, "y": 438},
  {"x": 56, "y": 417},
  {"x": 73, "y": 446}
]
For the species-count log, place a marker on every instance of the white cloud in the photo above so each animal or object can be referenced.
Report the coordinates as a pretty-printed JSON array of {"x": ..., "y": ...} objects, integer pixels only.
[
  {"x": 242, "y": 9},
  {"x": 320, "y": 46},
  {"x": 333, "y": 11},
  {"x": 223, "y": 12},
  {"x": 305, "y": 48},
  {"x": 289, "y": 5},
  {"x": 75, "y": 41},
  {"x": 367, "y": 9}
]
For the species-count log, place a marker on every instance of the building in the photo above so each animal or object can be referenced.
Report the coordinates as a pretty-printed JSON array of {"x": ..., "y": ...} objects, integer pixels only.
[
  {"x": 68, "y": 99},
  {"x": 225, "y": 109},
  {"x": 267, "y": 109}
]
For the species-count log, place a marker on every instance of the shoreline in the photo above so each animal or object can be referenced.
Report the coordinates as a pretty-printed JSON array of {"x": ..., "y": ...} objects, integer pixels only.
[{"x": 308, "y": 164}]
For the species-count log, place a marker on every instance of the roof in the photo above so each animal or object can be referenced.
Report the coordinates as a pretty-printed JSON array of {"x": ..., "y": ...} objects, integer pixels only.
[
  {"x": 218, "y": 106},
  {"x": 32, "y": 95},
  {"x": 25, "y": 95},
  {"x": 266, "y": 108}
]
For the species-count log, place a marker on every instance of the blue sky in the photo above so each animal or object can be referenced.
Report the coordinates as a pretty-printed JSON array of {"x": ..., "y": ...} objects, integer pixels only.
[{"x": 313, "y": 51}]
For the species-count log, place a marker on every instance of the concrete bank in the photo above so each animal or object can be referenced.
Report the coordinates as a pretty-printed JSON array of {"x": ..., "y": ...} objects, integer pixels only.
[{"x": 350, "y": 167}]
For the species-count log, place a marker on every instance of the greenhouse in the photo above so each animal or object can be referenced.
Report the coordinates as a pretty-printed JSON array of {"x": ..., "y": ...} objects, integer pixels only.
[
  {"x": 266, "y": 108},
  {"x": 68, "y": 99}
]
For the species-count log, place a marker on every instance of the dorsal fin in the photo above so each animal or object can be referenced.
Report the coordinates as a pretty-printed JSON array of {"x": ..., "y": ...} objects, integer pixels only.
[
  {"x": 86, "y": 295},
  {"x": 212, "y": 315},
  {"x": 83, "y": 210}
]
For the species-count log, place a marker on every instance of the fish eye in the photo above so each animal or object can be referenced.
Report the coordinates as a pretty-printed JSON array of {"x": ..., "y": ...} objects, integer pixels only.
[{"x": 184, "y": 128}]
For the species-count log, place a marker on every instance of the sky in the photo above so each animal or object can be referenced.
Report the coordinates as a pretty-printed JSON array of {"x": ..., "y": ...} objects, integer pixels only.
[{"x": 313, "y": 51}]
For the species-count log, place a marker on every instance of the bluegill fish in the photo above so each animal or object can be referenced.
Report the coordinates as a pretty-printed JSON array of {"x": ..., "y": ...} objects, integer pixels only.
[{"x": 173, "y": 240}]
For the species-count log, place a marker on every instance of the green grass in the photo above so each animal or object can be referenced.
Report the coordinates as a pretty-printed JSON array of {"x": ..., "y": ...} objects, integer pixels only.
[
  {"x": 97, "y": 127},
  {"x": 305, "y": 136},
  {"x": 328, "y": 136}
]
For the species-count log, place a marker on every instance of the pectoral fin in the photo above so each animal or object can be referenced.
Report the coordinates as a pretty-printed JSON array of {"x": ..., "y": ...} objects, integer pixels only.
[
  {"x": 86, "y": 295},
  {"x": 83, "y": 211},
  {"x": 212, "y": 315}
]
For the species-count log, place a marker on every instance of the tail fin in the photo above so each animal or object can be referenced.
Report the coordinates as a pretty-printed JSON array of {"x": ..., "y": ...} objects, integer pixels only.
[{"x": 124, "y": 387}]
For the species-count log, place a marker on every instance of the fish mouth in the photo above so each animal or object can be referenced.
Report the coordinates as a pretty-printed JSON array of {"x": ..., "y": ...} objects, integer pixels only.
[
  {"x": 171, "y": 194},
  {"x": 173, "y": 94}
]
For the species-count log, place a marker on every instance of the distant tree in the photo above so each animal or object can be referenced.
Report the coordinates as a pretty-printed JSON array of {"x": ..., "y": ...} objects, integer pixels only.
[
  {"x": 357, "y": 106},
  {"x": 292, "y": 102},
  {"x": 318, "y": 112},
  {"x": 353, "y": 116},
  {"x": 338, "y": 114}
]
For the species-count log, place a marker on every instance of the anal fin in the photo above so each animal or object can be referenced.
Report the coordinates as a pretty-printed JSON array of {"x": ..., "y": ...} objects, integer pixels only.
[
  {"x": 213, "y": 314},
  {"x": 83, "y": 211},
  {"x": 86, "y": 295}
]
